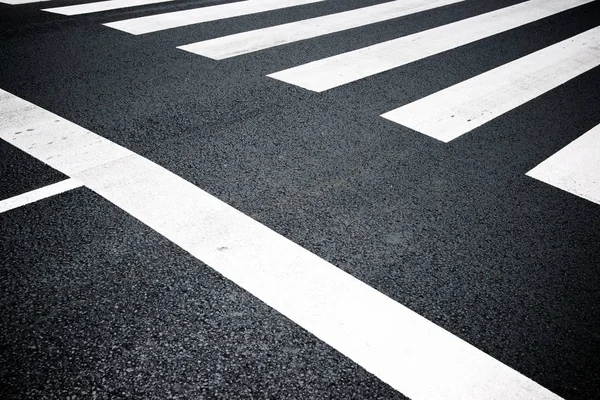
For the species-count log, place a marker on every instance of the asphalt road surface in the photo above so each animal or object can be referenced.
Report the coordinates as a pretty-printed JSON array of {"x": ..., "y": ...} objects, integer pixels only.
[{"x": 397, "y": 202}]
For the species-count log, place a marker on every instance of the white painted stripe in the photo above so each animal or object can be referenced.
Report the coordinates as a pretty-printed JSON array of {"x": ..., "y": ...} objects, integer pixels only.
[
  {"x": 575, "y": 168},
  {"x": 454, "y": 111},
  {"x": 348, "y": 67},
  {"x": 153, "y": 23},
  {"x": 38, "y": 194},
  {"x": 100, "y": 6},
  {"x": 54, "y": 140},
  {"x": 259, "y": 39},
  {"x": 18, "y": 2},
  {"x": 413, "y": 355}
]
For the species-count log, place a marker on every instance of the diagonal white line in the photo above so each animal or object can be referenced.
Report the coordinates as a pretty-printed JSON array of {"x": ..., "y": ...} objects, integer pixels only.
[
  {"x": 159, "y": 22},
  {"x": 410, "y": 353},
  {"x": 38, "y": 194},
  {"x": 575, "y": 168},
  {"x": 100, "y": 6},
  {"x": 344, "y": 68},
  {"x": 259, "y": 39},
  {"x": 456, "y": 110},
  {"x": 18, "y": 2}
]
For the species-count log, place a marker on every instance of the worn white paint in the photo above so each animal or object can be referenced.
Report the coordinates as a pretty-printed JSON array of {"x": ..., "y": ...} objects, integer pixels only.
[
  {"x": 98, "y": 6},
  {"x": 410, "y": 353},
  {"x": 575, "y": 168},
  {"x": 55, "y": 141},
  {"x": 259, "y": 39},
  {"x": 454, "y": 111},
  {"x": 348, "y": 67},
  {"x": 38, "y": 194},
  {"x": 154, "y": 23}
]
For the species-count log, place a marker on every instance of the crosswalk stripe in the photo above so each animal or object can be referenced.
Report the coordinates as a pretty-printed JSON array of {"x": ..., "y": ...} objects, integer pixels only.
[
  {"x": 454, "y": 111},
  {"x": 413, "y": 355},
  {"x": 347, "y": 67},
  {"x": 38, "y": 194},
  {"x": 89, "y": 8},
  {"x": 575, "y": 168},
  {"x": 259, "y": 39},
  {"x": 18, "y": 2},
  {"x": 154, "y": 23}
]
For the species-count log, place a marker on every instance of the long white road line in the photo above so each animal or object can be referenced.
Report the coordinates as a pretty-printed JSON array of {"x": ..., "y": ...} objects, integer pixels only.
[
  {"x": 159, "y": 22},
  {"x": 454, "y": 111},
  {"x": 38, "y": 194},
  {"x": 413, "y": 355},
  {"x": 575, "y": 168},
  {"x": 348, "y": 67},
  {"x": 18, "y": 2},
  {"x": 259, "y": 39},
  {"x": 89, "y": 8}
]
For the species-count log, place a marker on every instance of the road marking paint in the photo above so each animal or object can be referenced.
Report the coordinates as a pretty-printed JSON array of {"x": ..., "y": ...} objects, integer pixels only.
[
  {"x": 456, "y": 110},
  {"x": 53, "y": 140},
  {"x": 38, "y": 194},
  {"x": 18, "y": 2},
  {"x": 575, "y": 168},
  {"x": 100, "y": 6},
  {"x": 154, "y": 23},
  {"x": 410, "y": 353},
  {"x": 259, "y": 39},
  {"x": 344, "y": 68}
]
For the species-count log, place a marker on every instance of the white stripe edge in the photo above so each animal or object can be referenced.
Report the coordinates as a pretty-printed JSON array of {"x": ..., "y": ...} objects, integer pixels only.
[{"x": 39, "y": 194}]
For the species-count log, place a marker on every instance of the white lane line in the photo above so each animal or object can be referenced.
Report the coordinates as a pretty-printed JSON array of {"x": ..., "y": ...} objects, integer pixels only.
[
  {"x": 153, "y": 23},
  {"x": 454, "y": 111},
  {"x": 344, "y": 68},
  {"x": 18, "y": 2},
  {"x": 259, "y": 39},
  {"x": 413, "y": 355},
  {"x": 100, "y": 6},
  {"x": 38, "y": 194},
  {"x": 575, "y": 168}
]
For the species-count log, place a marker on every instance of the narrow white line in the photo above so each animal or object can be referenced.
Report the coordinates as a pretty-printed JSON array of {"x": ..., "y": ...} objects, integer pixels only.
[
  {"x": 38, "y": 194},
  {"x": 100, "y": 6},
  {"x": 413, "y": 355},
  {"x": 259, "y": 39},
  {"x": 348, "y": 67},
  {"x": 18, "y": 2},
  {"x": 454, "y": 111},
  {"x": 575, "y": 168},
  {"x": 153, "y": 23}
]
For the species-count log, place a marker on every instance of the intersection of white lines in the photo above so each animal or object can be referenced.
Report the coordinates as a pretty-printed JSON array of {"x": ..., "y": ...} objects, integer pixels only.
[
  {"x": 445, "y": 115},
  {"x": 408, "y": 352}
]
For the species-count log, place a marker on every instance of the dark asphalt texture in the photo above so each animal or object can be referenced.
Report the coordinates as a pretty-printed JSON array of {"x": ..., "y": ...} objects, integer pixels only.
[
  {"x": 21, "y": 173},
  {"x": 92, "y": 301},
  {"x": 121, "y": 312}
]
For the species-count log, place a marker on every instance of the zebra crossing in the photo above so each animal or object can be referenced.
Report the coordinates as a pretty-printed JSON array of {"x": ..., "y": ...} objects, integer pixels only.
[
  {"x": 260, "y": 39},
  {"x": 349, "y": 67},
  {"x": 177, "y": 19},
  {"x": 454, "y": 111},
  {"x": 445, "y": 115},
  {"x": 323, "y": 299},
  {"x": 421, "y": 361}
]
